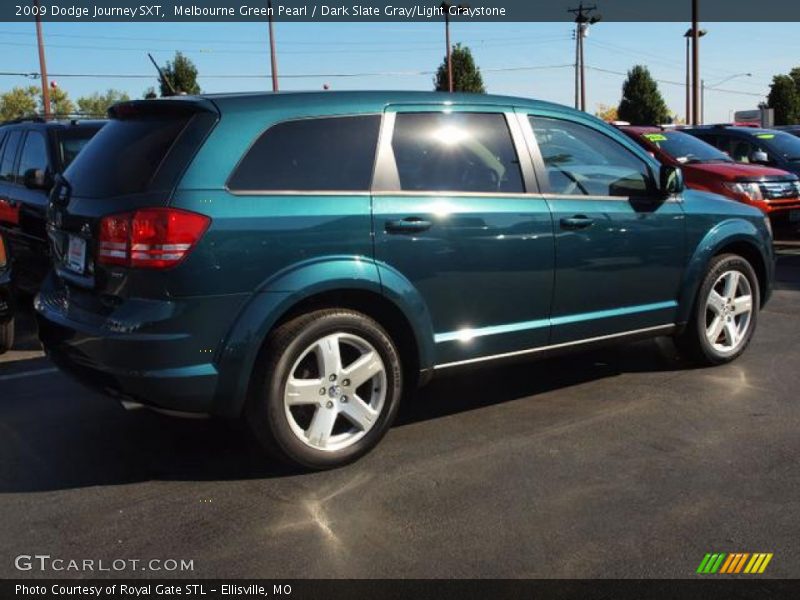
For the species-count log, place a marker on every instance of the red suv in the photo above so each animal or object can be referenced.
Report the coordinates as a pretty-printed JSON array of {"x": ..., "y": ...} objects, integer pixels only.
[{"x": 704, "y": 167}]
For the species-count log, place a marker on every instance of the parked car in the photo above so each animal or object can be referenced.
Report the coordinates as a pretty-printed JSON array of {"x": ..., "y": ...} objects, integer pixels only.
[
  {"x": 32, "y": 152},
  {"x": 300, "y": 259},
  {"x": 793, "y": 129},
  {"x": 771, "y": 190},
  {"x": 767, "y": 147},
  {"x": 6, "y": 300}
]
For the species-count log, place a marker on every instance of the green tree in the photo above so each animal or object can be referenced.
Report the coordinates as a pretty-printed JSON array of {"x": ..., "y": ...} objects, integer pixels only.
[
  {"x": 18, "y": 102},
  {"x": 784, "y": 98},
  {"x": 98, "y": 104},
  {"x": 150, "y": 93},
  {"x": 642, "y": 103},
  {"x": 182, "y": 74},
  {"x": 60, "y": 104},
  {"x": 466, "y": 76}
]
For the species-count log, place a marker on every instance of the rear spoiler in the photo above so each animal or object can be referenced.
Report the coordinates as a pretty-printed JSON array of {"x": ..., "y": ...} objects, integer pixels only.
[{"x": 176, "y": 106}]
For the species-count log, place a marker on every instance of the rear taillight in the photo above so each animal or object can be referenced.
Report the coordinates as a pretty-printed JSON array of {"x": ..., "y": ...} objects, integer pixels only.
[
  {"x": 3, "y": 255},
  {"x": 153, "y": 238}
]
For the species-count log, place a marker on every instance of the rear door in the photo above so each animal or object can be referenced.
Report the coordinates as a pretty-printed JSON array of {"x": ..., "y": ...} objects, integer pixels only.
[
  {"x": 620, "y": 249},
  {"x": 456, "y": 213}
]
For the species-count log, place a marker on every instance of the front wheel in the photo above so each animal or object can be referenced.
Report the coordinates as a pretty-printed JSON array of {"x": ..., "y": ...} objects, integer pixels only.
[
  {"x": 327, "y": 389},
  {"x": 725, "y": 312}
]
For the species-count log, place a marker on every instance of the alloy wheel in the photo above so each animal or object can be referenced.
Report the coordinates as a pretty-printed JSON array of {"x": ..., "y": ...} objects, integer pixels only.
[
  {"x": 335, "y": 392},
  {"x": 729, "y": 310}
]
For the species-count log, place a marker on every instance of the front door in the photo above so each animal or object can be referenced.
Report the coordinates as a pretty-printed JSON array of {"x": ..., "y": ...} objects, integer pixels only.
[
  {"x": 455, "y": 214},
  {"x": 620, "y": 248}
]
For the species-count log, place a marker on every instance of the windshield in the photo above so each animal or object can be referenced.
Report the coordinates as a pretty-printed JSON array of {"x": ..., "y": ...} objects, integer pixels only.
[
  {"x": 685, "y": 148},
  {"x": 781, "y": 143}
]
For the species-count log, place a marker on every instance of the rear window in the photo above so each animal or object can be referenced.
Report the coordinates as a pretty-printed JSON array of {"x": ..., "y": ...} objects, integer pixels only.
[
  {"x": 71, "y": 142},
  {"x": 124, "y": 157},
  {"x": 319, "y": 154}
]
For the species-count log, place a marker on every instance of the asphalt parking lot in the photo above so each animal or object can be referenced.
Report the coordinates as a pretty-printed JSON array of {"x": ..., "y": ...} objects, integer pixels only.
[{"x": 623, "y": 462}]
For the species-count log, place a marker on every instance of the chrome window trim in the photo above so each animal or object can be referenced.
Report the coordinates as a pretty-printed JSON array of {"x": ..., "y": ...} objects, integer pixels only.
[{"x": 600, "y": 338}]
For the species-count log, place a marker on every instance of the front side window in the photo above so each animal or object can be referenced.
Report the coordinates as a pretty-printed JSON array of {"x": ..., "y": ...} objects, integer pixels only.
[
  {"x": 455, "y": 152},
  {"x": 582, "y": 161},
  {"x": 34, "y": 154},
  {"x": 9, "y": 154},
  {"x": 319, "y": 154}
]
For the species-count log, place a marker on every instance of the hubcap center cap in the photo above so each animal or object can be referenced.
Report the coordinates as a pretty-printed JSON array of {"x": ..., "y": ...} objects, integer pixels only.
[{"x": 334, "y": 391}]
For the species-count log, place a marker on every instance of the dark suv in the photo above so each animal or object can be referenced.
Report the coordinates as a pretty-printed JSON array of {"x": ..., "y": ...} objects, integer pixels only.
[
  {"x": 301, "y": 258},
  {"x": 32, "y": 152},
  {"x": 768, "y": 147}
]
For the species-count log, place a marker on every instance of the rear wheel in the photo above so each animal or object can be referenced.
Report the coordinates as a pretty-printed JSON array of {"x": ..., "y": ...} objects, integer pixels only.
[
  {"x": 327, "y": 390},
  {"x": 6, "y": 336},
  {"x": 725, "y": 312}
]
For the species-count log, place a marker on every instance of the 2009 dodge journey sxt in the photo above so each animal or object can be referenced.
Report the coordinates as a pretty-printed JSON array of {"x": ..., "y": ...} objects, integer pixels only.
[{"x": 302, "y": 258}]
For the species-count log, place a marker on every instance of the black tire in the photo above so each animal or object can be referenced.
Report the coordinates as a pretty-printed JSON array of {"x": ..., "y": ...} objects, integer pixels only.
[
  {"x": 265, "y": 411},
  {"x": 6, "y": 336},
  {"x": 692, "y": 342}
]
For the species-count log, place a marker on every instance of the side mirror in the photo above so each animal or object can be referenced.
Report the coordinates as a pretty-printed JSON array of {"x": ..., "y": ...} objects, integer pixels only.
[
  {"x": 759, "y": 157},
  {"x": 37, "y": 179},
  {"x": 671, "y": 180}
]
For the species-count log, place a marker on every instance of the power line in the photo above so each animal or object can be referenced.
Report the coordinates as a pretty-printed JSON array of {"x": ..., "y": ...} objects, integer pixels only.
[
  {"x": 680, "y": 83},
  {"x": 289, "y": 76},
  {"x": 403, "y": 43}
]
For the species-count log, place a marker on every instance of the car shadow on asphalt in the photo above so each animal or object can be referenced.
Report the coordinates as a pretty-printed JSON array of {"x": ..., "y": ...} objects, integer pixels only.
[{"x": 54, "y": 434}]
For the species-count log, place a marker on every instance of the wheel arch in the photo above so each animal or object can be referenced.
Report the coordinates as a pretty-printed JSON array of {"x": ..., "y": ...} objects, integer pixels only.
[
  {"x": 735, "y": 236},
  {"x": 392, "y": 302}
]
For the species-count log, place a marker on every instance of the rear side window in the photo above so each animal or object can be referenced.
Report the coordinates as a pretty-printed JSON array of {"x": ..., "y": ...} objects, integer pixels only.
[
  {"x": 455, "y": 152},
  {"x": 34, "y": 154},
  {"x": 72, "y": 141},
  {"x": 320, "y": 154},
  {"x": 124, "y": 157},
  {"x": 9, "y": 154}
]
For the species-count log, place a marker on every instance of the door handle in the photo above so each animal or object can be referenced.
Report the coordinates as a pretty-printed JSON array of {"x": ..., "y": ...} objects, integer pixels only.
[
  {"x": 407, "y": 225},
  {"x": 576, "y": 222}
]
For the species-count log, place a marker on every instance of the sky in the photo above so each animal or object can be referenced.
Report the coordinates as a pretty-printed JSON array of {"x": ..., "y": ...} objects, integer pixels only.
[{"x": 522, "y": 59}]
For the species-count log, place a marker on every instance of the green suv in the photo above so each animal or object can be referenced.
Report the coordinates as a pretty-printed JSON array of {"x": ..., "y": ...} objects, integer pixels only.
[{"x": 302, "y": 259}]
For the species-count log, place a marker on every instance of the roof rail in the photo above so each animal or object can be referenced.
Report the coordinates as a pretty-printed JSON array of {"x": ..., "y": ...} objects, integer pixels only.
[{"x": 37, "y": 118}]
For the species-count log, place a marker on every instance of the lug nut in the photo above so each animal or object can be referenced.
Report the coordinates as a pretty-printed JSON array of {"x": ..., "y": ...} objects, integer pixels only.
[
  {"x": 346, "y": 382},
  {"x": 329, "y": 404},
  {"x": 344, "y": 399},
  {"x": 332, "y": 377},
  {"x": 322, "y": 391}
]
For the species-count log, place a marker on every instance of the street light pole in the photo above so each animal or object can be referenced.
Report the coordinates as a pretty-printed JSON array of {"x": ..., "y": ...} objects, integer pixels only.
[
  {"x": 42, "y": 63},
  {"x": 689, "y": 35},
  {"x": 695, "y": 63},
  {"x": 713, "y": 86},
  {"x": 273, "y": 57}
]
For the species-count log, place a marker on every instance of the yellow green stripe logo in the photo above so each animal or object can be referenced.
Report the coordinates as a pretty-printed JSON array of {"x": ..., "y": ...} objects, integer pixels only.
[{"x": 734, "y": 563}]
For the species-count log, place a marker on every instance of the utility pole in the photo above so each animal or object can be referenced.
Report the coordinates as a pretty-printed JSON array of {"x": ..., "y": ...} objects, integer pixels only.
[
  {"x": 273, "y": 56},
  {"x": 446, "y": 10},
  {"x": 582, "y": 22},
  {"x": 689, "y": 35},
  {"x": 42, "y": 63},
  {"x": 696, "y": 118}
]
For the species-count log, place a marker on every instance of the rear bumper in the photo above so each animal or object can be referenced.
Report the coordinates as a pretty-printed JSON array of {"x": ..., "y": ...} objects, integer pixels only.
[{"x": 152, "y": 363}]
